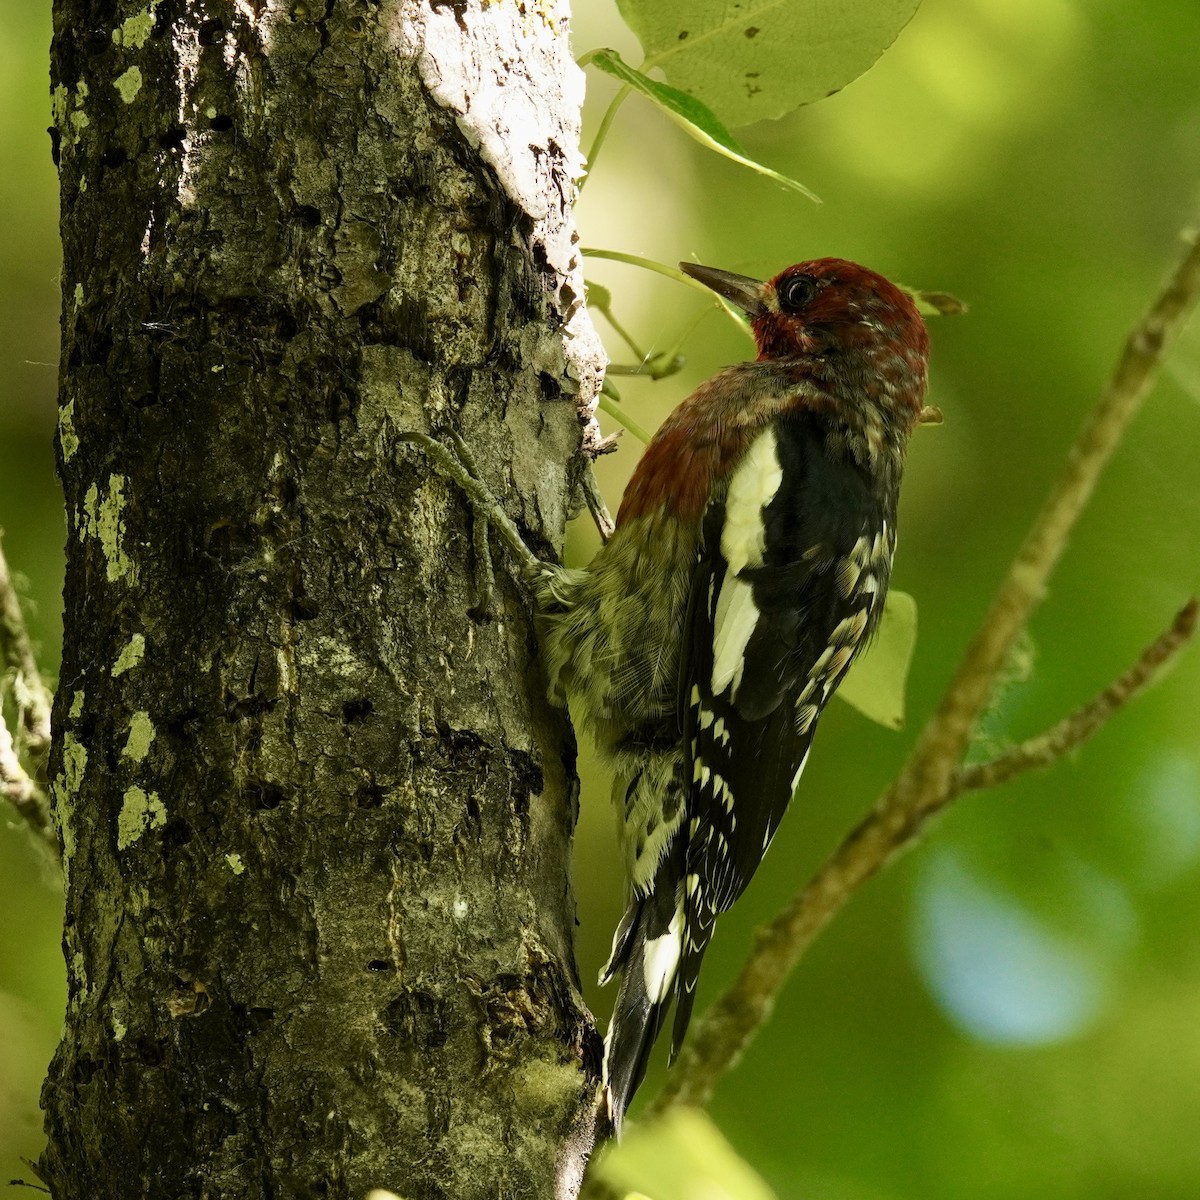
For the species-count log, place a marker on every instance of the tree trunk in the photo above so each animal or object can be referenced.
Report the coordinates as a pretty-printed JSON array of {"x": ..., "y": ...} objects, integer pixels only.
[{"x": 316, "y": 813}]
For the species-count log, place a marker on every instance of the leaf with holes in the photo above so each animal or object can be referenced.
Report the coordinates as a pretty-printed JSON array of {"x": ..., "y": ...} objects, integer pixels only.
[
  {"x": 694, "y": 117},
  {"x": 753, "y": 59}
]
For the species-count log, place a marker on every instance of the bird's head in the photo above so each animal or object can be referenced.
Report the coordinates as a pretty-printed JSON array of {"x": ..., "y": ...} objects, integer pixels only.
[{"x": 856, "y": 323}]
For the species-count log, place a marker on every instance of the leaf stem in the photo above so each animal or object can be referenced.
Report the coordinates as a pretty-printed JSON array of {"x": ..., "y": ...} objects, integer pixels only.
[
  {"x": 610, "y": 114},
  {"x": 622, "y": 333},
  {"x": 610, "y": 406},
  {"x": 649, "y": 264}
]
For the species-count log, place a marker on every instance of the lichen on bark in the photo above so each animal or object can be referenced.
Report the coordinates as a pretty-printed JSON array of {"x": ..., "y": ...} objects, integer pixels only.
[{"x": 316, "y": 812}]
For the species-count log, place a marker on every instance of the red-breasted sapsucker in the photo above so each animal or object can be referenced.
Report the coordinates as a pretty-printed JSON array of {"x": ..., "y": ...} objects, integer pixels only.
[{"x": 748, "y": 568}]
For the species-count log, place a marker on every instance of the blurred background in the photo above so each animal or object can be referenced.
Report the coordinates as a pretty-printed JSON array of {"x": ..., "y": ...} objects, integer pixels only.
[{"x": 1013, "y": 1010}]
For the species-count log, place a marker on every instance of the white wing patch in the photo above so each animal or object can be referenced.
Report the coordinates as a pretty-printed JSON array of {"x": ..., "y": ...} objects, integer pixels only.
[
  {"x": 661, "y": 959},
  {"x": 752, "y": 487},
  {"x": 733, "y": 626},
  {"x": 858, "y": 576},
  {"x": 806, "y": 714}
]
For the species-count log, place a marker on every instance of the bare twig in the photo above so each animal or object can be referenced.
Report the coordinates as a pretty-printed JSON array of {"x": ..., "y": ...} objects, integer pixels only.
[
  {"x": 596, "y": 506},
  {"x": 23, "y": 758},
  {"x": 1083, "y": 724},
  {"x": 940, "y": 748},
  {"x": 452, "y": 465},
  {"x": 22, "y": 793},
  {"x": 32, "y": 695},
  {"x": 929, "y": 776}
]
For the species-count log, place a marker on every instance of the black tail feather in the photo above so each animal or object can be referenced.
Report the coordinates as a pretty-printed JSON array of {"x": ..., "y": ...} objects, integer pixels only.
[
  {"x": 698, "y": 931},
  {"x": 632, "y": 1032},
  {"x": 685, "y": 997},
  {"x": 646, "y": 952}
]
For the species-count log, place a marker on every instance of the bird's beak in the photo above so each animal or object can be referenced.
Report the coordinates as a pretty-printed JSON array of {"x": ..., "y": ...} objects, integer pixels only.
[{"x": 748, "y": 294}]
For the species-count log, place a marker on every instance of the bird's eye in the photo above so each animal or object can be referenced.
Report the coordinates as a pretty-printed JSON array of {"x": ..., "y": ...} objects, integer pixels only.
[{"x": 796, "y": 292}]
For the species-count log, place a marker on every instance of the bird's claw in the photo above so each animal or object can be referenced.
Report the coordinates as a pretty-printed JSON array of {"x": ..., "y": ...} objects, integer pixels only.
[{"x": 459, "y": 465}]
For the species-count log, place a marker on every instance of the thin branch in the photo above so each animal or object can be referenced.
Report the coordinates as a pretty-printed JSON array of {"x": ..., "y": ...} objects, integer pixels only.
[
  {"x": 605, "y": 525},
  {"x": 610, "y": 406},
  {"x": 929, "y": 776},
  {"x": 32, "y": 695},
  {"x": 19, "y": 785},
  {"x": 1083, "y": 724},
  {"x": 31, "y": 803},
  {"x": 605, "y": 125},
  {"x": 943, "y": 742}
]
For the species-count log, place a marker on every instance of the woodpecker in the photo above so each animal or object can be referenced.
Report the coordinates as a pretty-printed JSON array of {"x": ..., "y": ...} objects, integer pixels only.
[{"x": 747, "y": 570}]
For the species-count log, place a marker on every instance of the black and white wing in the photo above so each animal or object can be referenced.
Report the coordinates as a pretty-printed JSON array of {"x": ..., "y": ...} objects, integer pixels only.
[{"x": 790, "y": 580}]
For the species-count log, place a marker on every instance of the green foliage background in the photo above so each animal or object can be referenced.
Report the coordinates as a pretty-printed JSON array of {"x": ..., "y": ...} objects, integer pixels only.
[{"x": 1014, "y": 1010}]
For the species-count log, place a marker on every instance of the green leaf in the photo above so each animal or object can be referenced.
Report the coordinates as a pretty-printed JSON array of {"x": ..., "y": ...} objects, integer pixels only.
[
  {"x": 681, "y": 1156},
  {"x": 763, "y": 58},
  {"x": 876, "y": 682},
  {"x": 695, "y": 118}
]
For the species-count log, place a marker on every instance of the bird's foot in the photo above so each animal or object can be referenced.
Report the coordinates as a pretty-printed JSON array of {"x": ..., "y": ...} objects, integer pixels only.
[{"x": 459, "y": 465}]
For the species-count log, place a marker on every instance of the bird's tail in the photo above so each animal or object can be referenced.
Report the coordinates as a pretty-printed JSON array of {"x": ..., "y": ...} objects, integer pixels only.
[{"x": 646, "y": 951}]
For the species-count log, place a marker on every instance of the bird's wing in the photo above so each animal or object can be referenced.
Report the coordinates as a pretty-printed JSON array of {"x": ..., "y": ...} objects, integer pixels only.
[{"x": 790, "y": 578}]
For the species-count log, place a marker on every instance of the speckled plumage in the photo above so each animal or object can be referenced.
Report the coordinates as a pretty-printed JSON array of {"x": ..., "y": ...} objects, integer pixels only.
[{"x": 749, "y": 566}]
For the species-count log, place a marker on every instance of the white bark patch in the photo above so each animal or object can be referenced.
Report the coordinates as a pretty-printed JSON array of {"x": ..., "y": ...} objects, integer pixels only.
[
  {"x": 507, "y": 74},
  {"x": 186, "y": 48}
]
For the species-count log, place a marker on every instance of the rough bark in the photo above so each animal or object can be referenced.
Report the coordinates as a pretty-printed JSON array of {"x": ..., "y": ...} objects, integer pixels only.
[{"x": 315, "y": 812}]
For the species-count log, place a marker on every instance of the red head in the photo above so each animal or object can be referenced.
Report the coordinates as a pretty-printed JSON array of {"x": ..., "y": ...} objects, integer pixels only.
[{"x": 830, "y": 307}]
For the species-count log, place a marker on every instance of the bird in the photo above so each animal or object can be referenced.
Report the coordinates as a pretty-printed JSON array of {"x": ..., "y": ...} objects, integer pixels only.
[{"x": 748, "y": 568}]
